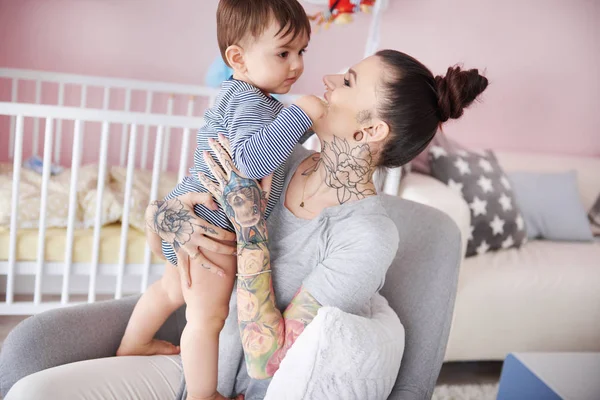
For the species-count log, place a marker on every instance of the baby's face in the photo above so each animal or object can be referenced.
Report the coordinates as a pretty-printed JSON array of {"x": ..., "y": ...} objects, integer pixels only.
[{"x": 274, "y": 63}]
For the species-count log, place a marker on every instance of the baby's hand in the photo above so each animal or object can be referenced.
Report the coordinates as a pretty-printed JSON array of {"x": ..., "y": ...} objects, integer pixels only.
[{"x": 313, "y": 106}]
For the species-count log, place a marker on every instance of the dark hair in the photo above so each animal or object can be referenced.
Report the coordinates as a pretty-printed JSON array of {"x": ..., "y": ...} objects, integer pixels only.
[
  {"x": 414, "y": 103},
  {"x": 238, "y": 18}
]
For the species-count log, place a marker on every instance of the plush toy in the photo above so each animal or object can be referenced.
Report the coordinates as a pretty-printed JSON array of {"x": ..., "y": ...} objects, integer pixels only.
[
  {"x": 340, "y": 11},
  {"x": 217, "y": 73}
]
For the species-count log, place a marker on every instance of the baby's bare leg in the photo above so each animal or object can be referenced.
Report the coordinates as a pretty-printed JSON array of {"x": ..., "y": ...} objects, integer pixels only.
[
  {"x": 207, "y": 308},
  {"x": 161, "y": 300}
]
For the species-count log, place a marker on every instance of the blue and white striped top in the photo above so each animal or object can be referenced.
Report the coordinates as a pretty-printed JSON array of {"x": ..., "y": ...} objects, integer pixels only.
[
  {"x": 262, "y": 134},
  {"x": 261, "y": 131}
]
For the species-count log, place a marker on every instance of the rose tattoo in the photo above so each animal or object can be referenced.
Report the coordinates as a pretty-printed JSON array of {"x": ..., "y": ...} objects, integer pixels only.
[{"x": 172, "y": 221}]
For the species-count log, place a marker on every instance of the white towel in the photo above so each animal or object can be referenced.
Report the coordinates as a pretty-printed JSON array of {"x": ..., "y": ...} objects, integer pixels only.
[{"x": 343, "y": 356}]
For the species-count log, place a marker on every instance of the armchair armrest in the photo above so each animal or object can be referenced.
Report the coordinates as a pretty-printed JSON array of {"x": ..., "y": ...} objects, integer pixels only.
[{"x": 427, "y": 190}]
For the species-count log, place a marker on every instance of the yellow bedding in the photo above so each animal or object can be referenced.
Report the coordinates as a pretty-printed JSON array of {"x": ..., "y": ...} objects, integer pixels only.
[
  {"x": 58, "y": 197},
  {"x": 110, "y": 238},
  {"x": 57, "y": 214}
]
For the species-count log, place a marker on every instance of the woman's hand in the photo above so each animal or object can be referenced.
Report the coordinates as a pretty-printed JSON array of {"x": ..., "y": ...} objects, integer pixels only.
[
  {"x": 175, "y": 222},
  {"x": 244, "y": 200}
]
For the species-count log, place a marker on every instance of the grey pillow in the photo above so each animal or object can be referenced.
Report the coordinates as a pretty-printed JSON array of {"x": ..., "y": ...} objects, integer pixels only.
[
  {"x": 496, "y": 221},
  {"x": 551, "y": 205}
]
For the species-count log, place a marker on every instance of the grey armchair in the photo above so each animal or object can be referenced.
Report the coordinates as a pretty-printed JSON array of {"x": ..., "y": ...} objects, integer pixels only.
[{"x": 421, "y": 287}]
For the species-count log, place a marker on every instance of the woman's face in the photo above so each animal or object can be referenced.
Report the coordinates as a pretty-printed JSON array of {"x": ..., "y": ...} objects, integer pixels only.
[{"x": 352, "y": 99}]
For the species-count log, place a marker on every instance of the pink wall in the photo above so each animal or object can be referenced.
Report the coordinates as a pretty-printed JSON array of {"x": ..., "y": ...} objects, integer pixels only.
[{"x": 541, "y": 56}]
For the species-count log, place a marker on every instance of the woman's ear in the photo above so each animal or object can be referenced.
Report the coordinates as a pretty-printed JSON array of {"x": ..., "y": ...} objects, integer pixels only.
[
  {"x": 235, "y": 58},
  {"x": 379, "y": 131}
]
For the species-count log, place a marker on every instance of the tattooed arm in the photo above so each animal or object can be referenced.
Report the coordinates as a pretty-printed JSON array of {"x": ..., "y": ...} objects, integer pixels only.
[{"x": 266, "y": 333}]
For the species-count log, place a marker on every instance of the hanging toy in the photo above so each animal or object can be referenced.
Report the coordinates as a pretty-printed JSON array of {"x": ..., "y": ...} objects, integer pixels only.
[
  {"x": 217, "y": 73},
  {"x": 340, "y": 12}
]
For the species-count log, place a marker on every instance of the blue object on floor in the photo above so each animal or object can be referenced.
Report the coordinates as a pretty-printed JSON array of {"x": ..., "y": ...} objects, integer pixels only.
[
  {"x": 550, "y": 376},
  {"x": 518, "y": 382}
]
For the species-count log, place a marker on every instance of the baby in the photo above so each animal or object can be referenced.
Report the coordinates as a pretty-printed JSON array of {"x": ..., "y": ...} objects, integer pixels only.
[{"x": 263, "y": 41}]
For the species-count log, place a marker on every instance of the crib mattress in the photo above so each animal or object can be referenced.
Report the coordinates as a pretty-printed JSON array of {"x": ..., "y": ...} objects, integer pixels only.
[{"x": 56, "y": 239}]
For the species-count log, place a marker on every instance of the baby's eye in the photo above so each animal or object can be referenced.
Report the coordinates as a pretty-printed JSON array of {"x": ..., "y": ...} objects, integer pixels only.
[
  {"x": 284, "y": 54},
  {"x": 346, "y": 82}
]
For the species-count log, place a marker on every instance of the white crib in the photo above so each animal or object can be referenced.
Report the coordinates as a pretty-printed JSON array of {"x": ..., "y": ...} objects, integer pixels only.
[{"x": 156, "y": 138}]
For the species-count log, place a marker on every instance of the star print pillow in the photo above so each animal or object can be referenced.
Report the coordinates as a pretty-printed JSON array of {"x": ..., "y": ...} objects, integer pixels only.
[{"x": 496, "y": 222}]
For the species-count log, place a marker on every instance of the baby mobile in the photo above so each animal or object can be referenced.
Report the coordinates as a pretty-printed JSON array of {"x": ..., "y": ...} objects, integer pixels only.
[{"x": 340, "y": 11}]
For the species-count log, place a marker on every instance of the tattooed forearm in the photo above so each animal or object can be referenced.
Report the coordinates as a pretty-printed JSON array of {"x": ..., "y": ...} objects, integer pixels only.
[
  {"x": 243, "y": 203},
  {"x": 301, "y": 311},
  {"x": 261, "y": 324},
  {"x": 266, "y": 334}
]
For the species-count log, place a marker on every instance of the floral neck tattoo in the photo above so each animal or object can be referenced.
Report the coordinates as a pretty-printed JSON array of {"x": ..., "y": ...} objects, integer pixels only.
[{"x": 348, "y": 170}]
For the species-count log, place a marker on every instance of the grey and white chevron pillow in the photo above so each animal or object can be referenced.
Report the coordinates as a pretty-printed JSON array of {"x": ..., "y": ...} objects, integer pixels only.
[{"x": 496, "y": 222}]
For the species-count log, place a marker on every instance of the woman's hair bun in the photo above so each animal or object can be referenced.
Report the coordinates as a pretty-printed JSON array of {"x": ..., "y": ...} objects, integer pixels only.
[{"x": 457, "y": 90}]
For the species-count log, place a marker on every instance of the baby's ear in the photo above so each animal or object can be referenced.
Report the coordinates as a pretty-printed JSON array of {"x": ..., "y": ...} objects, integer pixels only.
[{"x": 235, "y": 58}]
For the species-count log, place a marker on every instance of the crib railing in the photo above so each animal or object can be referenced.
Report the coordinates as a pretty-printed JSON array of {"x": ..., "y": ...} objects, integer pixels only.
[
  {"x": 81, "y": 116},
  {"x": 56, "y": 123},
  {"x": 157, "y": 98},
  {"x": 152, "y": 91}
]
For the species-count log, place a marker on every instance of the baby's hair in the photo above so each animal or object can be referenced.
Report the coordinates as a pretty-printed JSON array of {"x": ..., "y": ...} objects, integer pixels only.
[{"x": 236, "y": 19}]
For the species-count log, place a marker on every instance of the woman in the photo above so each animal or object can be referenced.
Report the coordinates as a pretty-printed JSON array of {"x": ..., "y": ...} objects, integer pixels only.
[{"x": 329, "y": 241}]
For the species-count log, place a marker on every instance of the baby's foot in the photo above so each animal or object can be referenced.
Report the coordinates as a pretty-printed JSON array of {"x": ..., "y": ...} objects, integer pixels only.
[{"x": 153, "y": 347}]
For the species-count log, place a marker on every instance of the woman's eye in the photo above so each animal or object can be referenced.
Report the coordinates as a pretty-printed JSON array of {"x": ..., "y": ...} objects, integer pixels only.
[
  {"x": 301, "y": 52},
  {"x": 284, "y": 54},
  {"x": 346, "y": 82}
]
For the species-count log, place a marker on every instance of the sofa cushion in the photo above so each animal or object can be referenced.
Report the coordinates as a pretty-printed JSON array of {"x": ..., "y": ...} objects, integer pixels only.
[
  {"x": 340, "y": 355},
  {"x": 496, "y": 222},
  {"x": 541, "y": 297},
  {"x": 551, "y": 205},
  {"x": 588, "y": 178}
]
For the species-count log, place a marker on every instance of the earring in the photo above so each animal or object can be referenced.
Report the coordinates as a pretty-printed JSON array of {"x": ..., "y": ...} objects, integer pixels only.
[{"x": 358, "y": 136}]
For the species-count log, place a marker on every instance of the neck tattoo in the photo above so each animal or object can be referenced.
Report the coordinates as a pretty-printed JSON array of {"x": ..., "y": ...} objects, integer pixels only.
[{"x": 346, "y": 169}]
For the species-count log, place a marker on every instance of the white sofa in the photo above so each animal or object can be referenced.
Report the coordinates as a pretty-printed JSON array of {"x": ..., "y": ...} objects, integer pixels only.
[{"x": 544, "y": 296}]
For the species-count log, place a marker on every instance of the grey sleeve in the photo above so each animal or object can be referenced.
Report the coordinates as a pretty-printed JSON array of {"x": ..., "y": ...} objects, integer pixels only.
[{"x": 358, "y": 257}]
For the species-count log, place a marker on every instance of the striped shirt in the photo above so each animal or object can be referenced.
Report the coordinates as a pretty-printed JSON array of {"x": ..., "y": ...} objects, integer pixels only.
[{"x": 262, "y": 134}]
